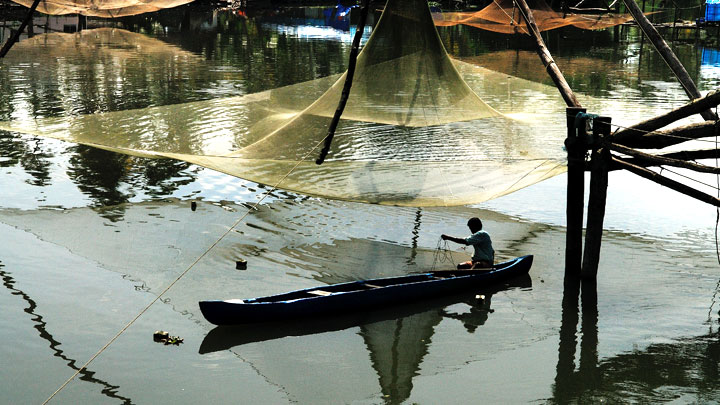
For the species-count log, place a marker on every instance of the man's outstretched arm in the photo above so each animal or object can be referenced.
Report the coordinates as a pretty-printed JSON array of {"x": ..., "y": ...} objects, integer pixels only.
[{"x": 461, "y": 241}]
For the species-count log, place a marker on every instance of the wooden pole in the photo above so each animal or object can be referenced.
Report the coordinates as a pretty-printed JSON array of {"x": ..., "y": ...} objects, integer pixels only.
[
  {"x": 14, "y": 38},
  {"x": 696, "y": 106},
  {"x": 658, "y": 160},
  {"x": 663, "y": 139},
  {"x": 576, "y": 149},
  {"x": 669, "y": 183},
  {"x": 667, "y": 54},
  {"x": 683, "y": 155},
  {"x": 546, "y": 58},
  {"x": 596, "y": 201},
  {"x": 354, "y": 50}
]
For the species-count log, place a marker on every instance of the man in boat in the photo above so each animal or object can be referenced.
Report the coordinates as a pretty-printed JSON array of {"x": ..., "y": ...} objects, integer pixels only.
[{"x": 484, "y": 255}]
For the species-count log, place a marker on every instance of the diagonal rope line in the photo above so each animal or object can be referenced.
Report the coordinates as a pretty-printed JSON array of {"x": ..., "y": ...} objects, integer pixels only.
[
  {"x": 662, "y": 168},
  {"x": 237, "y": 222}
]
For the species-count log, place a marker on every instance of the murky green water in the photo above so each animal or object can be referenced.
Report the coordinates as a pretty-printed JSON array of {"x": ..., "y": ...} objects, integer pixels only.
[{"x": 88, "y": 238}]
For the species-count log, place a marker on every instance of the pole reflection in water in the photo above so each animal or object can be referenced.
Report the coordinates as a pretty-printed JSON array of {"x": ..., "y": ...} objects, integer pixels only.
[
  {"x": 108, "y": 389},
  {"x": 564, "y": 380},
  {"x": 415, "y": 237},
  {"x": 570, "y": 383},
  {"x": 684, "y": 368}
]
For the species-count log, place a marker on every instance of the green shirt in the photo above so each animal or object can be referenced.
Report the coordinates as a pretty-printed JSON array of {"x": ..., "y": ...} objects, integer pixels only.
[{"x": 480, "y": 240}]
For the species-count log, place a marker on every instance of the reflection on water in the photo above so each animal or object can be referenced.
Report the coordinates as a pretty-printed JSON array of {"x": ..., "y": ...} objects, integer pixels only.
[
  {"x": 680, "y": 370},
  {"x": 396, "y": 338},
  {"x": 111, "y": 391}
]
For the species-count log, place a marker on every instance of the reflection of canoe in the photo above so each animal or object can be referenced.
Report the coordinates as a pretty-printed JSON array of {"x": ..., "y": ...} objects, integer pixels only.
[
  {"x": 227, "y": 337},
  {"x": 358, "y": 295}
]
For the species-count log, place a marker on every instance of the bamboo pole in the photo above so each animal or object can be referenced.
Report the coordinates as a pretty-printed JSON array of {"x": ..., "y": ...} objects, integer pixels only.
[
  {"x": 667, "y": 54},
  {"x": 596, "y": 201},
  {"x": 546, "y": 58},
  {"x": 656, "y": 160},
  {"x": 669, "y": 183},
  {"x": 696, "y": 106},
  {"x": 14, "y": 38},
  {"x": 354, "y": 50}
]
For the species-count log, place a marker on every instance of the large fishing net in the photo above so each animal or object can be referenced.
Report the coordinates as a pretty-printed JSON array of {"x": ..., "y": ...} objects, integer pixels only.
[
  {"x": 505, "y": 17},
  {"x": 415, "y": 131},
  {"x": 102, "y": 8}
]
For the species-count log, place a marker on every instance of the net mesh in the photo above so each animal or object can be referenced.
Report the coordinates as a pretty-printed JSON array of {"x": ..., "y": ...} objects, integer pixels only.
[
  {"x": 505, "y": 17},
  {"x": 415, "y": 131},
  {"x": 102, "y": 8}
]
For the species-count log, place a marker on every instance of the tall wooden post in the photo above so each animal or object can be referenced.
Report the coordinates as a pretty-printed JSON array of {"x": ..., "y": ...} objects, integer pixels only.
[
  {"x": 576, "y": 148},
  {"x": 599, "y": 163}
]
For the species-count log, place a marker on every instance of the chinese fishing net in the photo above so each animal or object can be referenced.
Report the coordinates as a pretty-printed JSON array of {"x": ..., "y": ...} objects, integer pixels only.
[
  {"x": 505, "y": 17},
  {"x": 415, "y": 131},
  {"x": 102, "y": 8}
]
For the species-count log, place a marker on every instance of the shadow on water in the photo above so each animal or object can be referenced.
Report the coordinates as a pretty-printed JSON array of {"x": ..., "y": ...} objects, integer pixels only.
[
  {"x": 660, "y": 372},
  {"x": 85, "y": 375},
  {"x": 397, "y": 338}
]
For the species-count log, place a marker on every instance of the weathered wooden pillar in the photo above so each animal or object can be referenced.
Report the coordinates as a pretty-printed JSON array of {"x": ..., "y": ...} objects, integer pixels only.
[
  {"x": 576, "y": 148},
  {"x": 599, "y": 163}
]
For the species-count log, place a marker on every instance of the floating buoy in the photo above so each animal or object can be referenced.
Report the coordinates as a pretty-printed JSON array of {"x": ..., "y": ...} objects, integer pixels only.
[
  {"x": 193, "y": 205},
  {"x": 241, "y": 264}
]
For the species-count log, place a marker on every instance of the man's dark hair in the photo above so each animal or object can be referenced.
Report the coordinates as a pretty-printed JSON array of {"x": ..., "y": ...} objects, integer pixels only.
[{"x": 475, "y": 224}]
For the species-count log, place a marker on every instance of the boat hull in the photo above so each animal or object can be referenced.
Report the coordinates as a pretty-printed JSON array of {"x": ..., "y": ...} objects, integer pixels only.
[{"x": 358, "y": 295}]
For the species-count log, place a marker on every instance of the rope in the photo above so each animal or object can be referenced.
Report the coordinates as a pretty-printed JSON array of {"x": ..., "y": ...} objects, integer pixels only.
[
  {"x": 237, "y": 222},
  {"x": 689, "y": 178},
  {"x": 442, "y": 254},
  {"x": 511, "y": 17}
]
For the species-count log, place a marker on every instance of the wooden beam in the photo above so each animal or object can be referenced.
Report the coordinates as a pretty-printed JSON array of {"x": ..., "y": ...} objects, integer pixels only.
[
  {"x": 696, "y": 106},
  {"x": 663, "y": 139},
  {"x": 669, "y": 183},
  {"x": 14, "y": 38},
  {"x": 683, "y": 155},
  {"x": 667, "y": 54},
  {"x": 546, "y": 58},
  {"x": 656, "y": 160}
]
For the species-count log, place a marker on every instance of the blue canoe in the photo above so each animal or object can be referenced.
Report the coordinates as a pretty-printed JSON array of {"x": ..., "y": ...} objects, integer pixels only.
[{"x": 358, "y": 295}]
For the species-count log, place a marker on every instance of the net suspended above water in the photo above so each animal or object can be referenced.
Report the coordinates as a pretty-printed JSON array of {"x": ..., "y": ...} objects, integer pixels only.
[
  {"x": 414, "y": 131},
  {"x": 102, "y": 8},
  {"x": 505, "y": 17}
]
